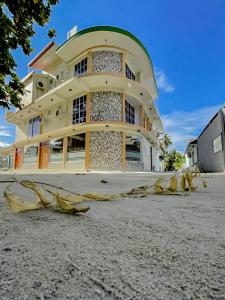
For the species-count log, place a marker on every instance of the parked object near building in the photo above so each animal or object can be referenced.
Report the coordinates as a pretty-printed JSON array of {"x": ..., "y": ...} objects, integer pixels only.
[{"x": 91, "y": 107}]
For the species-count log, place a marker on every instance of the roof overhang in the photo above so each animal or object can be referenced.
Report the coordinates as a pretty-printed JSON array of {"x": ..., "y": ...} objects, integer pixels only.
[
  {"x": 46, "y": 57},
  {"x": 108, "y": 36},
  {"x": 191, "y": 145}
]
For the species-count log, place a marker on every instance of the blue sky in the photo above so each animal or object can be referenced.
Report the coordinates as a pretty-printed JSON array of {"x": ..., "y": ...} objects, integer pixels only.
[{"x": 186, "y": 41}]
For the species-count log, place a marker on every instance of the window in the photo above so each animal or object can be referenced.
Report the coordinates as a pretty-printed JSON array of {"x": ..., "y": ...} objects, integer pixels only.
[
  {"x": 130, "y": 113},
  {"x": 217, "y": 144},
  {"x": 30, "y": 154},
  {"x": 56, "y": 150},
  {"x": 34, "y": 126},
  {"x": 133, "y": 151},
  {"x": 81, "y": 67},
  {"x": 76, "y": 147},
  {"x": 79, "y": 110},
  {"x": 4, "y": 162},
  {"x": 129, "y": 73}
]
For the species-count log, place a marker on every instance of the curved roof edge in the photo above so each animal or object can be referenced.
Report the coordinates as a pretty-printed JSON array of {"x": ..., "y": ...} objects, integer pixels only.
[{"x": 113, "y": 29}]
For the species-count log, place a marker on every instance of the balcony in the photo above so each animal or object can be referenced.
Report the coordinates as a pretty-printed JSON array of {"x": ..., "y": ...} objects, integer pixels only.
[{"x": 66, "y": 88}]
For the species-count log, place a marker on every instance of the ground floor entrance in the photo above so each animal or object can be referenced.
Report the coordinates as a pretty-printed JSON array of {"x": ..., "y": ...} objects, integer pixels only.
[
  {"x": 43, "y": 155},
  {"x": 18, "y": 158}
]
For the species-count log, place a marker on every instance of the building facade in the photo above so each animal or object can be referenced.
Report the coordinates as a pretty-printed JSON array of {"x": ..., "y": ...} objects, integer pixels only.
[
  {"x": 211, "y": 144},
  {"x": 191, "y": 154},
  {"x": 208, "y": 150},
  {"x": 89, "y": 105}
]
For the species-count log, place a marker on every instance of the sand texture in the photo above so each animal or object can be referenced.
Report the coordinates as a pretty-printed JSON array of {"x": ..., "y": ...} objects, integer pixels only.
[{"x": 160, "y": 247}]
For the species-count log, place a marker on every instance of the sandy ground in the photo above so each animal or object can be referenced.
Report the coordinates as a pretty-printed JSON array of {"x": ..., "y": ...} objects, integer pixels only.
[{"x": 160, "y": 247}]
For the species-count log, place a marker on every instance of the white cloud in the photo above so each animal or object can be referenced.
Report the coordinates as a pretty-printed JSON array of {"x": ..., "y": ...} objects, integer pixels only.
[
  {"x": 3, "y": 144},
  {"x": 163, "y": 82},
  {"x": 5, "y": 133},
  {"x": 182, "y": 126}
]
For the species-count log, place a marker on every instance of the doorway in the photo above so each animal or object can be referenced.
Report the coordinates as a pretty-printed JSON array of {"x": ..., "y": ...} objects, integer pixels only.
[
  {"x": 18, "y": 158},
  {"x": 43, "y": 155}
]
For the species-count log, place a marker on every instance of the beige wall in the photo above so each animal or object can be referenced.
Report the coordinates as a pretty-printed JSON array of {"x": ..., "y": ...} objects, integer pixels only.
[
  {"x": 27, "y": 98},
  {"x": 57, "y": 67},
  {"x": 21, "y": 131}
]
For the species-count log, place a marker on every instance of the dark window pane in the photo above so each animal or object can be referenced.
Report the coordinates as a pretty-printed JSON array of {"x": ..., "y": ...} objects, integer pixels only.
[
  {"x": 81, "y": 67},
  {"x": 79, "y": 110}
]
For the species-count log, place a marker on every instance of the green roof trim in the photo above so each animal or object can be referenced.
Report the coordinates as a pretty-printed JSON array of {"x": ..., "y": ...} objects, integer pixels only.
[{"x": 112, "y": 29}]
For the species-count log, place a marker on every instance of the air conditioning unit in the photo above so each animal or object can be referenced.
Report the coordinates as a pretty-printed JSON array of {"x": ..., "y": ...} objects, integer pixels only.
[{"x": 40, "y": 85}]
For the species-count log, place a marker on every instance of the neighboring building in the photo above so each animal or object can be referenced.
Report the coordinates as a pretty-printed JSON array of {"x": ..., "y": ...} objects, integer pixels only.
[
  {"x": 90, "y": 106},
  {"x": 208, "y": 150},
  {"x": 191, "y": 156},
  {"x": 211, "y": 144}
]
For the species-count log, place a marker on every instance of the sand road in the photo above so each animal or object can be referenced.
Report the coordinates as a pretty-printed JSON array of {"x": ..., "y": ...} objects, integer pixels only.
[{"x": 160, "y": 247}]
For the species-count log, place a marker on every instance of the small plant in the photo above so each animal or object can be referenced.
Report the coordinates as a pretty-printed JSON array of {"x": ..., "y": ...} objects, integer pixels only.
[{"x": 69, "y": 203}]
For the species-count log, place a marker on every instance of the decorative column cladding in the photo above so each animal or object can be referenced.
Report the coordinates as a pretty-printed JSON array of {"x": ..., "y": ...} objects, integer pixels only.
[
  {"x": 107, "y": 61},
  {"x": 105, "y": 150},
  {"x": 106, "y": 106}
]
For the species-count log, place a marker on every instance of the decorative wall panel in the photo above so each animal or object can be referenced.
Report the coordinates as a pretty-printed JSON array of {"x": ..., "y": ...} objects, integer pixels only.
[
  {"x": 105, "y": 150},
  {"x": 106, "y": 61},
  {"x": 106, "y": 106}
]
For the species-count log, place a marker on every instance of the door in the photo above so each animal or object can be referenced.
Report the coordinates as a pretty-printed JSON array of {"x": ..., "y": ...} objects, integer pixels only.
[
  {"x": 18, "y": 158},
  {"x": 43, "y": 155}
]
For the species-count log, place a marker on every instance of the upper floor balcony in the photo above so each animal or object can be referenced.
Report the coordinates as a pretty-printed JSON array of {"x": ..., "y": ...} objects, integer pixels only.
[{"x": 63, "y": 89}]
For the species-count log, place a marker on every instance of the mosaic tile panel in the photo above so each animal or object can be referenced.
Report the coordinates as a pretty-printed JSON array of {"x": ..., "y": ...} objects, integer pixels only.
[
  {"x": 106, "y": 106},
  {"x": 105, "y": 150},
  {"x": 107, "y": 61}
]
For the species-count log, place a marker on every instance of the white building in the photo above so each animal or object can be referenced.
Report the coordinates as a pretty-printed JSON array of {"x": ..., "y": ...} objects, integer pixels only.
[{"x": 90, "y": 105}]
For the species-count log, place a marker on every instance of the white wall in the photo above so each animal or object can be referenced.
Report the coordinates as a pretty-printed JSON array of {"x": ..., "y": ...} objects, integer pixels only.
[{"x": 145, "y": 154}]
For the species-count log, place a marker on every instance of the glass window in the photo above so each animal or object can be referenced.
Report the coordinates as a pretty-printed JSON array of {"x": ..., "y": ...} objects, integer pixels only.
[
  {"x": 4, "y": 162},
  {"x": 130, "y": 113},
  {"x": 56, "y": 150},
  {"x": 30, "y": 154},
  {"x": 34, "y": 126},
  {"x": 81, "y": 67},
  {"x": 133, "y": 149},
  {"x": 79, "y": 110},
  {"x": 217, "y": 144},
  {"x": 129, "y": 73},
  {"x": 76, "y": 147},
  {"x": 10, "y": 161}
]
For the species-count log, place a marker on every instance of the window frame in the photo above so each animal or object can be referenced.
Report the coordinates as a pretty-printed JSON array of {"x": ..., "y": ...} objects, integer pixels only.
[
  {"x": 79, "y": 114},
  {"x": 133, "y": 151},
  {"x": 34, "y": 126},
  {"x": 129, "y": 73},
  {"x": 215, "y": 142},
  {"x": 80, "y": 68},
  {"x": 76, "y": 152},
  {"x": 54, "y": 156},
  {"x": 129, "y": 113},
  {"x": 30, "y": 159}
]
